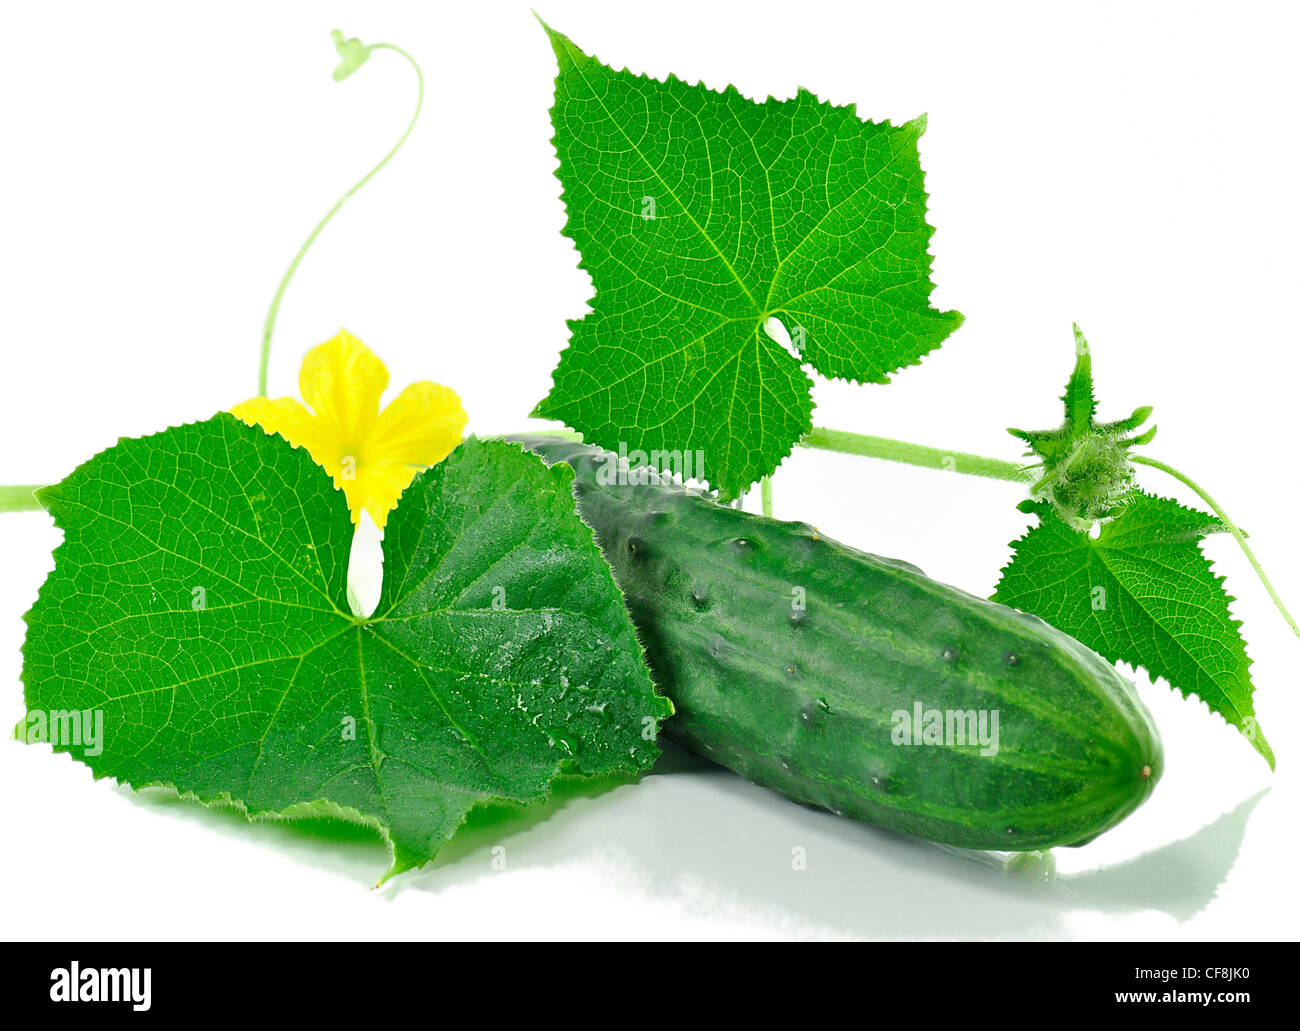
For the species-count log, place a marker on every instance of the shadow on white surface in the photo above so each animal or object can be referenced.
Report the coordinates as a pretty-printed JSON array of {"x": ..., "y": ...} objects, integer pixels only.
[{"x": 693, "y": 836}]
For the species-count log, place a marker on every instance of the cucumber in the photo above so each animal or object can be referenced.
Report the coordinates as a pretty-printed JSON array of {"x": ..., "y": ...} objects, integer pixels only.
[{"x": 790, "y": 657}]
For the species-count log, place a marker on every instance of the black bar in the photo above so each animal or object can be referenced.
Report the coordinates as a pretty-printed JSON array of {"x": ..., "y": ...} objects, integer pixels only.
[{"x": 1011, "y": 980}]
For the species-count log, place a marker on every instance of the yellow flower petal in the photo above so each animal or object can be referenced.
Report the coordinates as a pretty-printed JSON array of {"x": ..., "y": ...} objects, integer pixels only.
[
  {"x": 371, "y": 456},
  {"x": 342, "y": 380},
  {"x": 421, "y": 426},
  {"x": 288, "y": 417},
  {"x": 378, "y": 487},
  {"x": 360, "y": 487}
]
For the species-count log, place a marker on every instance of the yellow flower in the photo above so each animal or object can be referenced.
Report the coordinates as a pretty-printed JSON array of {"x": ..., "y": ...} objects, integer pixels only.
[{"x": 372, "y": 455}]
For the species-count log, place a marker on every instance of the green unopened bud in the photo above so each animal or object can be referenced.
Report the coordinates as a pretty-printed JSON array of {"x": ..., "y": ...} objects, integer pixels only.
[{"x": 1087, "y": 474}]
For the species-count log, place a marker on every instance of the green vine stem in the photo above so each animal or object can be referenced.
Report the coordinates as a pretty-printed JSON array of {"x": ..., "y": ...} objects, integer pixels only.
[
  {"x": 22, "y": 498},
  {"x": 19, "y": 499},
  {"x": 915, "y": 454},
  {"x": 976, "y": 465},
  {"x": 353, "y": 54},
  {"x": 1228, "y": 524}
]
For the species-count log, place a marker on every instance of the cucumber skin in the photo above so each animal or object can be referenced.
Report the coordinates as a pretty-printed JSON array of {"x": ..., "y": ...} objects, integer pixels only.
[{"x": 800, "y": 701}]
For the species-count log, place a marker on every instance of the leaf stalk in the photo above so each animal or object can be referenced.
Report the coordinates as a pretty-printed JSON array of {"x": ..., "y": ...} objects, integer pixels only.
[
  {"x": 921, "y": 455},
  {"x": 20, "y": 499}
]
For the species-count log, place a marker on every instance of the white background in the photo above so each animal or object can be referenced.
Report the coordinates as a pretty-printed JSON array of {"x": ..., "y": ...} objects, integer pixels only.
[{"x": 1128, "y": 166}]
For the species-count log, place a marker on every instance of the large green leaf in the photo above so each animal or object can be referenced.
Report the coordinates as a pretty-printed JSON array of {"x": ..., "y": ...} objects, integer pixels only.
[
  {"x": 1140, "y": 592},
  {"x": 198, "y": 602},
  {"x": 701, "y": 215}
]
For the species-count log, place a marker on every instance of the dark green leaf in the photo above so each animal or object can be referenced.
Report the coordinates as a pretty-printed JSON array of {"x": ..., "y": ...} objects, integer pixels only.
[
  {"x": 1143, "y": 593},
  {"x": 700, "y": 216},
  {"x": 198, "y": 602}
]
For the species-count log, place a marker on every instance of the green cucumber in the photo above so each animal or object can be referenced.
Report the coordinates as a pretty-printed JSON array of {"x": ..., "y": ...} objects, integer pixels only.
[{"x": 790, "y": 657}]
